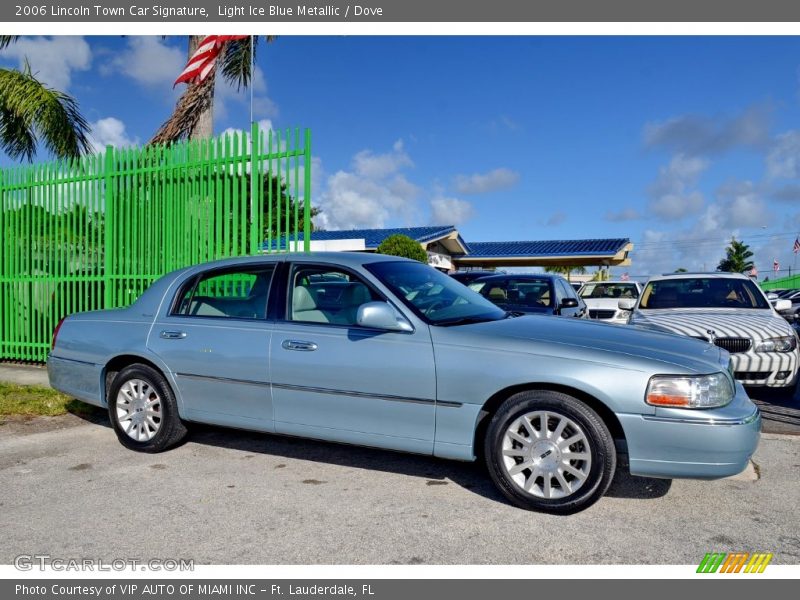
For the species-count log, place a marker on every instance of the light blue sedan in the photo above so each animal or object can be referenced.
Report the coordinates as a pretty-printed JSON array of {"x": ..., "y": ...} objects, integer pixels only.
[{"x": 386, "y": 352}]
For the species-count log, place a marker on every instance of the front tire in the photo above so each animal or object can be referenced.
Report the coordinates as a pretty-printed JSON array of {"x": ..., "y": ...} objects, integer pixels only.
[
  {"x": 549, "y": 452},
  {"x": 143, "y": 410}
]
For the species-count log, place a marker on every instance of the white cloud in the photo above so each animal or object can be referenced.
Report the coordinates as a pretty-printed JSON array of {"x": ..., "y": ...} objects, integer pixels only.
[
  {"x": 783, "y": 159},
  {"x": 376, "y": 166},
  {"x": 625, "y": 214},
  {"x": 671, "y": 196},
  {"x": 450, "y": 211},
  {"x": 481, "y": 183},
  {"x": 701, "y": 135},
  {"x": 149, "y": 61},
  {"x": 110, "y": 131},
  {"x": 557, "y": 218},
  {"x": 369, "y": 195},
  {"x": 52, "y": 59},
  {"x": 741, "y": 205}
]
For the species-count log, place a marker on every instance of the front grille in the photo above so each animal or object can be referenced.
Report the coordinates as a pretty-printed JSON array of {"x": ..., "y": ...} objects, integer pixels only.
[
  {"x": 751, "y": 375},
  {"x": 601, "y": 314},
  {"x": 734, "y": 344}
]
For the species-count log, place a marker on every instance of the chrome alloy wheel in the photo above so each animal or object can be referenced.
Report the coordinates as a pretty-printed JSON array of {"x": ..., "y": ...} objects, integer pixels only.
[
  {"x": 139, "y": 410},
  {"x": 546, "y": 455}
]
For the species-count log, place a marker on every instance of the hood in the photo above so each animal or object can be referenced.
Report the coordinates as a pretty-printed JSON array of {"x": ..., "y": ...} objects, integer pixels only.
[
  {"x": 602, "y": 303},
  {"x": 601, "y": 342},
  {"x": 757, "y": 324}
]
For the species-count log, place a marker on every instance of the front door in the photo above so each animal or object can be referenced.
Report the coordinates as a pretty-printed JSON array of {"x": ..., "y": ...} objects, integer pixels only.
[
  {"x": 332, "y": 379},
  {"x": 216, "y": 342}
]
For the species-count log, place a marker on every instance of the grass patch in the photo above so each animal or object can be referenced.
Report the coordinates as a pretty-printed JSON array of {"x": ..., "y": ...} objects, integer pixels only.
[{"x": 34, "y": 401}]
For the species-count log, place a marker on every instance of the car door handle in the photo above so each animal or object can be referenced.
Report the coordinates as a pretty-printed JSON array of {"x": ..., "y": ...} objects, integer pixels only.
[
  {"x": 173, "y": 335},
  {"x": 299, "y": 345}
]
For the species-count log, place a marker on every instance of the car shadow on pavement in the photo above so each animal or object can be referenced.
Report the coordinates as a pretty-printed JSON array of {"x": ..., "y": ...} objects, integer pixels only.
[{"x": 435, "y": 471}]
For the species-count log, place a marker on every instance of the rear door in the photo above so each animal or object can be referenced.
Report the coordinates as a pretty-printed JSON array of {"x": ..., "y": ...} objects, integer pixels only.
[{"x": 215, "y": 340}]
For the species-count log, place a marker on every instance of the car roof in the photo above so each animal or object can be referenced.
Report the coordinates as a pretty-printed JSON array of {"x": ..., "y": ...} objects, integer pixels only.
[
  {"x": 711, "y": 275},
  {"x": 347, "y": 259},
  {"x": 531, "y": 276},
  {"x": 614, "y": 281}
]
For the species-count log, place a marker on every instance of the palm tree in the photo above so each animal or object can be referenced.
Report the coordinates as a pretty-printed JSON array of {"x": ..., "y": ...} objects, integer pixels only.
[
  {"x": 567, "y": 270},
  {"x": 30, "y": 111},
  {"x": 737, "y": 259},
  {"x": 192, "y": 117}
]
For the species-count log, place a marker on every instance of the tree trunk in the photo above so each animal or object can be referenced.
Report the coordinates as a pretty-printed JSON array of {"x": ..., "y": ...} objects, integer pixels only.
[
  {"x": 193, "y": 116},
  {"x": 205, "y": 120}
]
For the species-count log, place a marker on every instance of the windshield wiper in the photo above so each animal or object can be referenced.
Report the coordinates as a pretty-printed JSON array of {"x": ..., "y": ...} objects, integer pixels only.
[{"x": 467, "y": 320}]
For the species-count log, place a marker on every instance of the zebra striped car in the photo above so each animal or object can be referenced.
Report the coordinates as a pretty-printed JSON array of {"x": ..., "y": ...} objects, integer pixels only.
[{"x": 729, "y": 310}]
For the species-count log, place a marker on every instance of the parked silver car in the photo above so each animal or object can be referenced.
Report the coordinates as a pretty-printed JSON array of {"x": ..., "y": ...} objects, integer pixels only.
[{"x": 386, "y": 352}]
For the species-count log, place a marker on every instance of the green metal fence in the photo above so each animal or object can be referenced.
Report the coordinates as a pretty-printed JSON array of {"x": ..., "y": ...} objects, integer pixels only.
[{"x": 95, "y": 232}]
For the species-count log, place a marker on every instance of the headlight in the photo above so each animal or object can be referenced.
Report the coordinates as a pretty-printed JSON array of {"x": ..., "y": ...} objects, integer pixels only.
[
  {"x": 777, "y": 344},
  {"x": 701, "y": 391}
]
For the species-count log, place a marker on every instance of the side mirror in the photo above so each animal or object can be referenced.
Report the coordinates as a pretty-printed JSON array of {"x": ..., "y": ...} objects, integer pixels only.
[
  {"x": 381, "y": 315},
  {"x": 568, "y": 303},
  {"x": 626, "y": 303},
  {"x": 782, "y": 305}
]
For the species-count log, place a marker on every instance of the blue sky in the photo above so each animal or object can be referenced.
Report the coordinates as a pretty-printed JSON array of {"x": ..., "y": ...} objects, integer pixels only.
[{"x": 675, "y": 142}]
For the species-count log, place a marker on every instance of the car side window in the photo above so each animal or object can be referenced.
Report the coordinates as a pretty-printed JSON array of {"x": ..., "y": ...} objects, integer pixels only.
[
  {"x": 238, "y": 294},
  {"x": 319, "y": 294}
]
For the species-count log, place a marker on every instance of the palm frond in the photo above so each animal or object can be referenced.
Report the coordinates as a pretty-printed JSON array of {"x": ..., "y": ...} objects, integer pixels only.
[
  {"x": 30, "y": 111},
  {"x": 239, "y": 56},
  {"x": 7, "y": 40}
]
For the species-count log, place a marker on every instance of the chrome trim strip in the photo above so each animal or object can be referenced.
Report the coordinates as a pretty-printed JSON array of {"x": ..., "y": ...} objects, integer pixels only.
[
  {"x": 224, "y": 379},
  {"x": 317, "y": 390},
  {"x": 74, "y": 360},
  {"x": 743, "y": 421}
]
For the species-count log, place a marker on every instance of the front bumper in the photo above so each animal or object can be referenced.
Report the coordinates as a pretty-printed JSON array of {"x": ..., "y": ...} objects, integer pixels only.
[
  {"x": 694, "y": 444},
  {"x": 766, "y": 368}
]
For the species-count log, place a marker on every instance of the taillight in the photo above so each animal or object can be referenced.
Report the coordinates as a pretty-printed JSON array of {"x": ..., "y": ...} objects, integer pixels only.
[{"x": 55, "y": 332}]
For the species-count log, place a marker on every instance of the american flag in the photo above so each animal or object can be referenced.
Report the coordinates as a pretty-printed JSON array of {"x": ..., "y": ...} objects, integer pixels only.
[
  {"x": 625, "y": 277},
  {"x": 202, "y": 61},
  {"x": 776, "y": 265},
  {"x": 796, "y": 247}
]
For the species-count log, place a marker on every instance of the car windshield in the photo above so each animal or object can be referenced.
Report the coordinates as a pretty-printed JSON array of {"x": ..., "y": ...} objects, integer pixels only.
[
  {"x": 526, "y": 295},
  {"x": 702, "y": 292},
  {"x": 601, "y": 289},
  {"x": 434, "y": 296}
]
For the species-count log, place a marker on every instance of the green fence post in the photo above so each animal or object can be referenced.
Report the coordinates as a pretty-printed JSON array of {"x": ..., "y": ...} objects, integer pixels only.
[
  {"x": 253, "y": 179},
  {"x": 108, "y": 227},
  {"x": 307, "y": 193}
]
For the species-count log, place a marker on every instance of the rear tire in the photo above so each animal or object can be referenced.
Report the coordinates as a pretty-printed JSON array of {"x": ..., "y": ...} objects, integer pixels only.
[
  {"x": 549, "y": 452},
  {"x": 143, "y": 410}
]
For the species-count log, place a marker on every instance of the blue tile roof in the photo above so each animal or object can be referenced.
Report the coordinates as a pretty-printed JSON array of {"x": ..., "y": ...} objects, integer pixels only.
[
  {"x": 374, "y": 237},
  {"x": 547, "y": 248}
]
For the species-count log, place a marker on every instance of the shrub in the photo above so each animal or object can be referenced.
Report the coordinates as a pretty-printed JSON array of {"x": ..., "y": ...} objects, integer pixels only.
[{"x": 402, "y": 245}]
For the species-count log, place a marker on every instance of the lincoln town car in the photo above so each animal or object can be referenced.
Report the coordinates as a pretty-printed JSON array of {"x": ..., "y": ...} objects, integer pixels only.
[{"x": 390, "y": 353}]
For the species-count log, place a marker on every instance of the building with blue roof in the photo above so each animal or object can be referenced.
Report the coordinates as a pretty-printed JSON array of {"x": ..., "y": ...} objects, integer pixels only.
[{"x": 448, "y": 250}]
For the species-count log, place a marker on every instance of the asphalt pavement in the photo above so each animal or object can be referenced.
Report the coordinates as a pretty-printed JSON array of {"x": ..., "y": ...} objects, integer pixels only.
[{"x": 69, "y": 489}]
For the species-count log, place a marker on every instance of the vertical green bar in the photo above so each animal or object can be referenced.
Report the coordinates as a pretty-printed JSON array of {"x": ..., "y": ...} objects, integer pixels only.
[
  {"x": 287, "y": 207},
  {"x": 253, "y": 184},
  {"x": 307, "y": 194},
  {"x": 279, "y": 198},
  {"x": 269, "y": 191},
  {"x": 296, "y": 189},
  {"x": 108, "y": 226}
]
